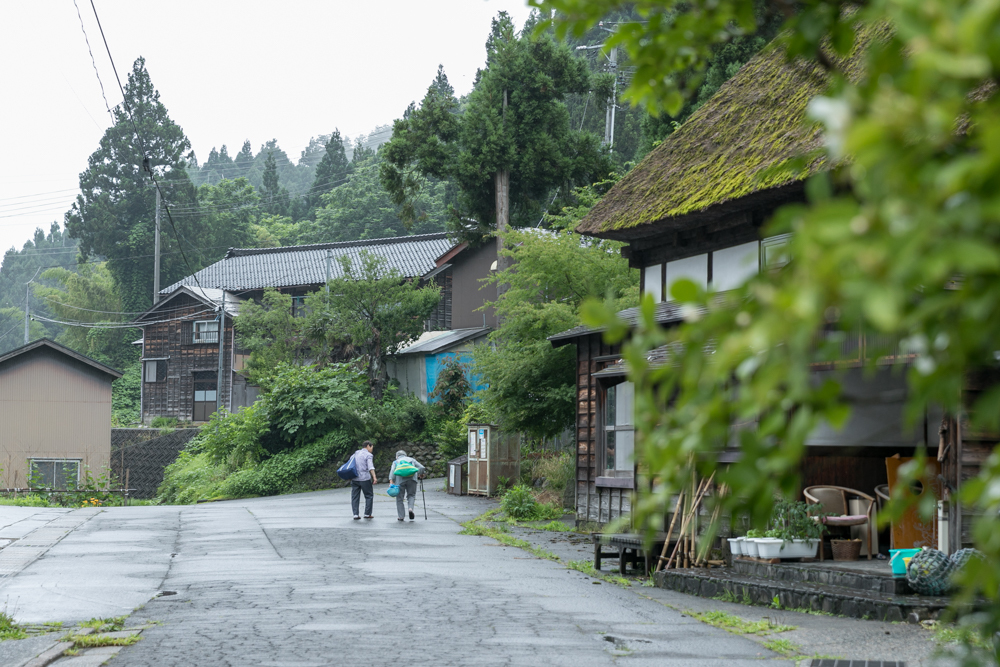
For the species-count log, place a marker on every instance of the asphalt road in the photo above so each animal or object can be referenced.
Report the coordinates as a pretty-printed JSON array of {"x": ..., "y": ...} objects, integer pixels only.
[{"x": 293, "y": 580}]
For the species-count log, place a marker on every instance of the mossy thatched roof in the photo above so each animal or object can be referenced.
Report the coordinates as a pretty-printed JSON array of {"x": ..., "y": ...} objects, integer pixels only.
[{"x": 732, "y": 147}]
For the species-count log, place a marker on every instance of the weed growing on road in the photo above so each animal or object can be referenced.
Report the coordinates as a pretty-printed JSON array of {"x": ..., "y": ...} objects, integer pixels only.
[
  {"x": 96, "y": 640},
  {"x": 588, "y": 569},
  {"x": 953, "y": 634},
  {"x": 500, "y": 534},
  {"x": 737, "y": 625},
  {"x": 729, "y": 596},
  {"x": 9, "y": 629},
  {"x": 782, "y": 646},
  {"x": 113, "y": 624}
]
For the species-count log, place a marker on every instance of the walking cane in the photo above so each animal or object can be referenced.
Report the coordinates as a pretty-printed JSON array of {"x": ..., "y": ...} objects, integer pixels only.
[{"x": 424, "y": 498}]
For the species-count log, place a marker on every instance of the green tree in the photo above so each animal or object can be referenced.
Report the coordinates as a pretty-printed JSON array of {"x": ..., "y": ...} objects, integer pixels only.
[
  {"x": 274, "y": 198},
  {"x": 271, "y": 334},
  {"x": 375, "y": 309},
  {"x": 12, "y": 329},
  {"x": 531, "y": 385},
  {"x": 900, "y": 239},
  {"x": 243, "y": 161},
  {"x": 90, "y": 296},
  {"x": 229, "y": 211},
  {"x": 511, "y": 147},
  {"x": 113, "y": 216},
  {"x": 331, "y": 171}
]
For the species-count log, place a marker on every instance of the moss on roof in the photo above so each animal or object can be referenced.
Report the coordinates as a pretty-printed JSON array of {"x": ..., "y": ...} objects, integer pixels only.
[{"x": 733, "y": 146}]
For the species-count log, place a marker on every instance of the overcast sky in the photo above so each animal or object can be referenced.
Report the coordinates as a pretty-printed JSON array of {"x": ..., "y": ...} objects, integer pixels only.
[{"x": 226, "y": 71}]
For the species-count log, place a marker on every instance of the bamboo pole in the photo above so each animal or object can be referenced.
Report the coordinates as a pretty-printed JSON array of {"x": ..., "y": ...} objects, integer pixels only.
[
  {"x": 670, "y": 531},
  {"x": 702, "y": 488}
]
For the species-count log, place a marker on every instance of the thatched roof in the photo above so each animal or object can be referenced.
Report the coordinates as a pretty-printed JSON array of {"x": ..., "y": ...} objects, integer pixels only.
[{"x": 732, "y": 147}]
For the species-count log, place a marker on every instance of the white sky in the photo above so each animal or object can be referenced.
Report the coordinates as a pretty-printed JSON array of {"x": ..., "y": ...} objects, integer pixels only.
[{"x": 226, "y": 71}]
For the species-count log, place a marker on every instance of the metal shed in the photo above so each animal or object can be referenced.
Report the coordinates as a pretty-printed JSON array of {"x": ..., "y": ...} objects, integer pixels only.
[
  {"x": 458, "y": 476},
  {"x": 493, "y": 456}
]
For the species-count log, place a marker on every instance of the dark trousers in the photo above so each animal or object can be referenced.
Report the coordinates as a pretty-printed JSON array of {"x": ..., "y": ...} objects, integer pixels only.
[{"x": 357, "y": 488}]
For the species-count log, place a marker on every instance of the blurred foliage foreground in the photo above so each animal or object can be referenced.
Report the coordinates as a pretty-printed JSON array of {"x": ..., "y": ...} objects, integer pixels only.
[{"x": 901, "y": 239}]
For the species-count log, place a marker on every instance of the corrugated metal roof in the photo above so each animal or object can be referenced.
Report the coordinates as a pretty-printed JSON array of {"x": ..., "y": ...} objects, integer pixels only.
[
  {"x": 51, "y": 344},
  {"x": 257, "y": 268},
  {"x": 666, "y": 312},
  {"x": 447, "y": 339},
  {"x": 208, "y": 296}
]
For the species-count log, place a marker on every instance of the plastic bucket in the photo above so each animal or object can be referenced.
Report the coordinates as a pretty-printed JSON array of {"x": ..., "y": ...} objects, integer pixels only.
[{"x": 897, "y": 563}]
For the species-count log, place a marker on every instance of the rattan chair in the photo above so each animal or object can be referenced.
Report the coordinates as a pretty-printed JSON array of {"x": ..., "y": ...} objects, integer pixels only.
[{"x": 833, "y": 499}]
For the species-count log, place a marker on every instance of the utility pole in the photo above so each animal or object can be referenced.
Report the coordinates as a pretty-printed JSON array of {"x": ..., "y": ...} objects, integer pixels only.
[
  {"x": 27, "y": 310},
  {"x": 609, "y": 116},
  {"x": 222, "y": 330},
  {"x": 156, "y": 253},
  {"x": 329, "y": 257}
]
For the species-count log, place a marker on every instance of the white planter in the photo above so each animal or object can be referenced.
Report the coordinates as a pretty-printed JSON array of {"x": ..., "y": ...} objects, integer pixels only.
[
  {"x": 768, "y": 547},
  {"x": 736, "y": 546},
  {"x": 799, "y": 549},
  {"x": 750, "y": 546}
]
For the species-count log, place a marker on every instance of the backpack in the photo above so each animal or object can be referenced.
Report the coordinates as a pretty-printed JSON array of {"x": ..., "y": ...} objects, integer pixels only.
[
  {"x": 349, "y": 470},
  {"x": 405, "y": 469}
]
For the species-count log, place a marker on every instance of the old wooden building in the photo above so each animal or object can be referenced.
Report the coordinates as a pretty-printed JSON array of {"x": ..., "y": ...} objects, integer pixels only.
[
  {"x": 191, "y": 360},
  {"x": 55, "y": 412},
  {"x": 696, "y": 208}
]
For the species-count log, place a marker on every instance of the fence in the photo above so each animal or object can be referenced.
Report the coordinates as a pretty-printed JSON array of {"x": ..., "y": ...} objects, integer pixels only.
[{"x": 141, "y": 454}]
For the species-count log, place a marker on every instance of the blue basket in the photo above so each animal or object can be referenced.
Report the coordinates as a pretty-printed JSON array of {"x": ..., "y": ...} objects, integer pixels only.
[{"x": 896, "y": 557}]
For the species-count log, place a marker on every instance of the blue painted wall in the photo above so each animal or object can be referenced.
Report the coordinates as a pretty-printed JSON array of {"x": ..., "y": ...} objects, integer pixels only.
[{"x": 434, "y": 363}]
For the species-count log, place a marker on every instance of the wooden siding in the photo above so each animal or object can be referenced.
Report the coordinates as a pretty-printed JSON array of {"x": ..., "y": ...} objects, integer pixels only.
[
  {"x": 593, "y": 504},
  {"x": 172, "y": 341},
  {"x": 53, "y": 407}
]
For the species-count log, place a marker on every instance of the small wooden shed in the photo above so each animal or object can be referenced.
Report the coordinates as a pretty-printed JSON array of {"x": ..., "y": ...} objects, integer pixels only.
[
  {"x": 55, "y": 408},
  {"x": 494, "y": 457}
]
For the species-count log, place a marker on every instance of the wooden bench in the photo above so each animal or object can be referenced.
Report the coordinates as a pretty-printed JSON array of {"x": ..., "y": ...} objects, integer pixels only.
[{"x": 629, "y": 549}]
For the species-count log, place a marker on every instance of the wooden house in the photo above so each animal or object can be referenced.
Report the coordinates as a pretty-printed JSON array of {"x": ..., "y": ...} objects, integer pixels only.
[
  {"x": 189, "y": 369},
  {"x": 695, "y": 208},
  {"x": 55, "y": 408}
]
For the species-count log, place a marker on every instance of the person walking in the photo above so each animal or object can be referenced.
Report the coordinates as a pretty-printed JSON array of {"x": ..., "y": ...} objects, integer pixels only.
[
  {"x": 365, "y": 462},
  {"x": 407, "y": 482}
]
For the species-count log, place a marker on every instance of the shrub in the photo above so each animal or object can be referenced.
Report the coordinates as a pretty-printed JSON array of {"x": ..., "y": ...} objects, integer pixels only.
[
  {"x": 393, "y": 419},
  {"x": 191, "y": 477},
  {"x": 558, "y": 471},
  {"x": 303, "y": 404},
  {"x": 279, "y": 473},
  {"x": 452, "y": 438},
  {"x": 452, "y": 389},
  {"x": 164, "y": 422},
  {"x": 233, "y": 439},
  {"x": 519, "y": 503}
]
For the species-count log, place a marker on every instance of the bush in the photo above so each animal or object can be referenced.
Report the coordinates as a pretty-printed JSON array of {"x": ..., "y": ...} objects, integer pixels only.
[
  {"x": 452, "y": 439},
  {"x": 304, "y": 403},
  {"x": 164, "y": 422},
  {"x": 280, "y": 472},
  {"x": 558, "y": 471},
  {"x": 393, "y": 419},
  {"x": 233, "y": 439},
  {"x": 191, "y": 477},
  {"x": 519, "y": 503}
]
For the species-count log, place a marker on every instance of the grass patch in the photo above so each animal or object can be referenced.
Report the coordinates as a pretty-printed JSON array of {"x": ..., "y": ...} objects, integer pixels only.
[
  {"x": 962, "y": 635},
  {"x": 9, "y": 629},
  {"x": 500, "y": 534},
  {"x": 96, "y": 640},
  {"x": 729, "y": 596},
  {"x": 112, "y": 624},
  {"x": 588, "y": 569},
  {"x": 782, "y": 646},
  {"x": 737, "y": 625}
]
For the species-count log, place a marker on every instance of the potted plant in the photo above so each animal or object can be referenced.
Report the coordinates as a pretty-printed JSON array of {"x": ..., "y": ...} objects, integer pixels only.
[
  {"x": 769, "y": 546},
  {"x": 736, "y": 545},
  {"x": 750, "y": 543},
  {"x": 794, "y": 524}
]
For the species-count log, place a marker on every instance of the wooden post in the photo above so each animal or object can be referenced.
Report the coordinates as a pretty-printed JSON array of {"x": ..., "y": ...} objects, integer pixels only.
[{"x": 126, "y": 486}]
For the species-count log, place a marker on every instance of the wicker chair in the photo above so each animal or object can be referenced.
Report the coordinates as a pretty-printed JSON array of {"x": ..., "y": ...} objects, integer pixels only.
[{"x": 834, "y": 501}]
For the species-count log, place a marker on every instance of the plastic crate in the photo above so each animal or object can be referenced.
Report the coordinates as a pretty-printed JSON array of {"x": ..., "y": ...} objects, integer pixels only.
[{"x": 896, "y": 557}]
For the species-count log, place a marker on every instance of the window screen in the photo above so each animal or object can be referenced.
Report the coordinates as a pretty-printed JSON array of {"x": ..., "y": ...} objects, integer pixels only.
[
  {"x": 693, "y": 268},
  {"x": 54, "y": 473},
  {"x": 653, "y": 281},
  {"x": 731, "y": 267},
  {"x": 619, "y": 429},
  {"x": 206, "y": 332}
]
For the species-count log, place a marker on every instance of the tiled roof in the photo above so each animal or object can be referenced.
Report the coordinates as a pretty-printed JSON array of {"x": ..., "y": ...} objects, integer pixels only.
[
  {"x": 667, "y": 312},
  {"x": 257, "y": 268}
]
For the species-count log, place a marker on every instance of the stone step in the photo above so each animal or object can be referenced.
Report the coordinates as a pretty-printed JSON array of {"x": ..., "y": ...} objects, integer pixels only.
[
  {"x": 806, "y": 595},
  {"x": 826, "y": 573}
]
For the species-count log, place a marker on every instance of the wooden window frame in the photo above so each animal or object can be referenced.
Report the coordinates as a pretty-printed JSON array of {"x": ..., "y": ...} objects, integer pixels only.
[{"x": 196, "y": 333}]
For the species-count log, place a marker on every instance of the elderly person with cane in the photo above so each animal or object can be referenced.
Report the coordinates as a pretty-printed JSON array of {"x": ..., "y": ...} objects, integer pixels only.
[{"x": 404, "y": 472}]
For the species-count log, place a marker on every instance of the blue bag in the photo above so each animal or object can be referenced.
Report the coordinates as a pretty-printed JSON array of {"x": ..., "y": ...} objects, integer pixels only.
[
  {"x": 393, "y": 490},
  {"x": 349, "y": 470}
]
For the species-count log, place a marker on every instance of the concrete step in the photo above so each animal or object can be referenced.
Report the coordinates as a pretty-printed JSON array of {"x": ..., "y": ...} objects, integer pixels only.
[
  {"x": 824, "y": 573},
  {"x": 806, "y": 595}
]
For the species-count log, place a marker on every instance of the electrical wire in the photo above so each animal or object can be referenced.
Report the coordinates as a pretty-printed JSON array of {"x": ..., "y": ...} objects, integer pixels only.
[
  {"x": 114, "y": 312},
  {"x": 120, "y": 325}
]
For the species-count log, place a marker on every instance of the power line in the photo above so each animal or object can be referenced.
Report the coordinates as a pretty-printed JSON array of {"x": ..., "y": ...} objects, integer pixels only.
[
  {"x": 120, "y": 325},
  {"x": 115, "y": 312}
]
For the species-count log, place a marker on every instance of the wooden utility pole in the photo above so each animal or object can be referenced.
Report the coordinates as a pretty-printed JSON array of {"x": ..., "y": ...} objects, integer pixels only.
[
  {"x": 156, "y": 253},
  {"x": 501, "y": 186}
]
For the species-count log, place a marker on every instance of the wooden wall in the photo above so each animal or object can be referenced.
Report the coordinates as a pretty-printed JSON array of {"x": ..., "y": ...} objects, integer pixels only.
[
  {"x": 174, "y": 396},
  {"x": 593, "y": 504}
]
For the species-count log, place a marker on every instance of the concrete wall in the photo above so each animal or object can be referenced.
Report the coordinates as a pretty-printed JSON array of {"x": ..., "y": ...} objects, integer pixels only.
[{"x": 52, "y": 406}]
